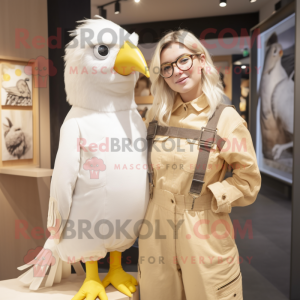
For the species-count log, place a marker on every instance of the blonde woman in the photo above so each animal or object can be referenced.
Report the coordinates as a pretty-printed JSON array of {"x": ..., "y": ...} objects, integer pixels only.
[{"x": 186, "y": 243}]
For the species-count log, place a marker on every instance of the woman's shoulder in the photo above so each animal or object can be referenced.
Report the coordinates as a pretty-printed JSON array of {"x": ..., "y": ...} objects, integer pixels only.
[{"x": 229, "y": 120}]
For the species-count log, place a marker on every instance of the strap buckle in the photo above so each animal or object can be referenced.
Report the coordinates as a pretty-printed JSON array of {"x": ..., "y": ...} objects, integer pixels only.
[
  {"x": 194, "y": 196},
  {"x": 209, "y": 144},
  {"x": 152, "y": 127}
]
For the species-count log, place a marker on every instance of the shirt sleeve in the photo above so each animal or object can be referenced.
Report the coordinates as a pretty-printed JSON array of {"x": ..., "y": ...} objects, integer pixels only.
[
  {"x": 242, "y": 188},
  {"x": 64, "y": 178}
]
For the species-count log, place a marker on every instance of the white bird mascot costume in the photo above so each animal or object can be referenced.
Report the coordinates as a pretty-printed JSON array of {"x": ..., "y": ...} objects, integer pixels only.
[{"x": 99, "y": 189}]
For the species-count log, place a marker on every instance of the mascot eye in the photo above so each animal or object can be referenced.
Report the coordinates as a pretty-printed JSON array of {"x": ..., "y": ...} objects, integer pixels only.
[{"x": 101, "y": 51}]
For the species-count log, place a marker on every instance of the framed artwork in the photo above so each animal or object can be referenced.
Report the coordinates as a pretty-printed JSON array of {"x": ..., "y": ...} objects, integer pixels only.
[
  {"x": 16, "y": 84},
  {"x": 16, "y": 134},
  {"x": 142, "y": 92},
  {"x": 224, "y": 66},
  {"x": 272, "y": 88},
  {"x": 19, "y": 114}
]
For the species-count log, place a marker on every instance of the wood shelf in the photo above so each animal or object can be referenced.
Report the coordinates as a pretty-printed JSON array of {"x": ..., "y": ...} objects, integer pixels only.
[
  {"x": 26, "y": 171},
  {"x": 14, "y": 289}
]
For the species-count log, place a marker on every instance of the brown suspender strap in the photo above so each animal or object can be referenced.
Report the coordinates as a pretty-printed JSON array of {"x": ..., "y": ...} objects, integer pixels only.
[
  {"x": 203, "y": 156},
  {"x": 207, "y": 137}
]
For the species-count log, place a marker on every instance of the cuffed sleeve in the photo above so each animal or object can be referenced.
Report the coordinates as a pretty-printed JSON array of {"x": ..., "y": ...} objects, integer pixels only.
[
  {"x": 64, "y": 178},
  {"x": 242, "y": 188}
]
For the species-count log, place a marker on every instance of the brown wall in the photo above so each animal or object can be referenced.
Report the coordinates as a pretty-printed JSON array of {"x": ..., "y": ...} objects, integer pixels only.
[{"x": 24, "y": 198}]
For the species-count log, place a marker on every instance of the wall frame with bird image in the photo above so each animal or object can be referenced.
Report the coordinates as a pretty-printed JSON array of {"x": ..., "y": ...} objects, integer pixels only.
[
  {"x": 19, "y": 114},
  {"x": 275, "y": 86},
  {"x": 16, "y": 84}
]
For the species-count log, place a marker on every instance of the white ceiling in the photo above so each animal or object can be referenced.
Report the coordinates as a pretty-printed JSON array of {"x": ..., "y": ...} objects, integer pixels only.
[{"x": 162, "y": 10}]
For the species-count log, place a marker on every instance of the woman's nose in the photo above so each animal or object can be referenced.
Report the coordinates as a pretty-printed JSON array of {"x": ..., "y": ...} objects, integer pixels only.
[{"x": 177, "y": 71}]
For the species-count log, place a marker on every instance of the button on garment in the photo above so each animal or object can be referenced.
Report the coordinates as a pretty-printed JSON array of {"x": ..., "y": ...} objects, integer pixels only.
[{"x": 187, "y": 253}]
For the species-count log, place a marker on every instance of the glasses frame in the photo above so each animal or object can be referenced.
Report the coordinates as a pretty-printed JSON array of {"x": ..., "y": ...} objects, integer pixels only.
[{"x": 175, "y": 62}]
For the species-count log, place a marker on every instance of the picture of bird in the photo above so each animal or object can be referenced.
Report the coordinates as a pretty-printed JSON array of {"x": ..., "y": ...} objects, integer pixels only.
[
  {"x": 102, "y": 131},
  {"x": 17, "y": 135},
  {"x": 17, "y": 142},
  {"x": 283, "y": 113},
  {"x": 277, "y": 101},
  {"x": 19, "y": 94}
]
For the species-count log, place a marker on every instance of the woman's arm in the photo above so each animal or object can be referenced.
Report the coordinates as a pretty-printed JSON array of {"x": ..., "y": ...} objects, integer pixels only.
[{"x": 242, "y": 188}]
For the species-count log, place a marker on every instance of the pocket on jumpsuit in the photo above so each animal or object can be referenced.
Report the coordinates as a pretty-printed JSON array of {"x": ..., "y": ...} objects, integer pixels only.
[
  {"x": 223, "y": 230},
  {"x": 188, "y": 151},
  {"x": 230, "y": 289},
  {"x": 157, "y": 151}
]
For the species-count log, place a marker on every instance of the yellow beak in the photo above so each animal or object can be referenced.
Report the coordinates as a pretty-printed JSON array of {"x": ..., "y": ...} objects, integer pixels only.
[{"x": 130, "y": 59}]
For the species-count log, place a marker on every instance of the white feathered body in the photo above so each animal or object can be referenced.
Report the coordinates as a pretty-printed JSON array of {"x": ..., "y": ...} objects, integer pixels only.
[
  {"x": 118, "y": 195},
  {"x": 98, "y": 196}
]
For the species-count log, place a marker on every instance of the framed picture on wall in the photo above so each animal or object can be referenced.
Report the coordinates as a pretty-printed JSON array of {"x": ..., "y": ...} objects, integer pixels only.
[
  {"x": 16, "y": 84},
  {"x": 272, "y": 97},
  {"x": 16, "y": 134},
  {"x": 19, "y": 114}
]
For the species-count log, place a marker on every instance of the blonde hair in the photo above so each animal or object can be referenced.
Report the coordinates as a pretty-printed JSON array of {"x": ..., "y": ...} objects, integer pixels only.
[{"x": 163, "y": 95}]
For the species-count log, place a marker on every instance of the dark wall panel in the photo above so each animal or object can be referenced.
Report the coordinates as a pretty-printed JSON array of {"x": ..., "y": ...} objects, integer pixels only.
[
  {"x": 211, "y": 27},
  {"x": 62, "y": 17}
]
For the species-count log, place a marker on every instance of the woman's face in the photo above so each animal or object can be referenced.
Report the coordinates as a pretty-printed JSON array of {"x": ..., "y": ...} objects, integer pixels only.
[{"x": 182, "y": 81}]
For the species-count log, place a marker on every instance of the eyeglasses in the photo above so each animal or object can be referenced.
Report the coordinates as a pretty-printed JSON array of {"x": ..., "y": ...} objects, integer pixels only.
[{"x": 183, "y": 62}]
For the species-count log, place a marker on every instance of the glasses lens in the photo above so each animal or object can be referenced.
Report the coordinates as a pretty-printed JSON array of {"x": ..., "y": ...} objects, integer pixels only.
[
  {"x": 184, "y": 63},
  {"x": 166, "y": 70}
]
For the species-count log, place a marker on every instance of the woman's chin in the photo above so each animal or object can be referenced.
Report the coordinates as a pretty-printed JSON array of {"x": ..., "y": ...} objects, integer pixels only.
[{"x": 184, "y": 89}]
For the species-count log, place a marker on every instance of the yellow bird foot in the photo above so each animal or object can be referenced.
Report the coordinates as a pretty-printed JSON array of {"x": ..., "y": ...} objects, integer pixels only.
[
  {"x": 92, "y": 286},
  {"x": 90, "y": 290},
  {"x": 122, "y": 281}
]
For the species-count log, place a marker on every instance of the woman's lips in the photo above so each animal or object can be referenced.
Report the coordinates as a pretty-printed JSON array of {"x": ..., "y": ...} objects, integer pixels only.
[{"x": 182, "y": 80}]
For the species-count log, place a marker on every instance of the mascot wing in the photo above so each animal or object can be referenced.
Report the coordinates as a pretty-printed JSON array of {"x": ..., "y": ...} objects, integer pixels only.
[{"x": 47, "y": 267}]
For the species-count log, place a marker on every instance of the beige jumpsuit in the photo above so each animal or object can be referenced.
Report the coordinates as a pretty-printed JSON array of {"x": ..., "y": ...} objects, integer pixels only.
[{"x": 191, "y": 254}]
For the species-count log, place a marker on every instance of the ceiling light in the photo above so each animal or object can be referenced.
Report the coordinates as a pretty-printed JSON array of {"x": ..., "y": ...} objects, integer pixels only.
[
  {"x": 243, "y": 67},
  {"x": 223, "y": 3},
  {"x": 117, "y": 7},
  {"x": 252, "y": 1},
  {"x": 137, "y": 1}
]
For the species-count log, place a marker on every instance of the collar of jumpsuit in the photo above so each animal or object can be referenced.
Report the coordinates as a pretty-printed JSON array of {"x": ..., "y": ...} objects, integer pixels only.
[
  {"x": 198, "y": 104},
  {"x": 174, "y": 166}
]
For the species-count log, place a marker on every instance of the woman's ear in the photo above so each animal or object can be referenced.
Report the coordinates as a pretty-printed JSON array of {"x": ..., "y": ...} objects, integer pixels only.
[{"x": 202, "y": 60}]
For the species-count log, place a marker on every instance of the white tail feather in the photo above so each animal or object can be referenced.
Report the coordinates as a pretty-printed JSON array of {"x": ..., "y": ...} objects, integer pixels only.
[{"x": 47, "y": 268}]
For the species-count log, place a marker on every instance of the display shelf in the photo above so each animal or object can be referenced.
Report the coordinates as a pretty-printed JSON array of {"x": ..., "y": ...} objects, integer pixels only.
[
  {"x": 26, "y": 171},
  {"x": 14, "y": 289}
]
